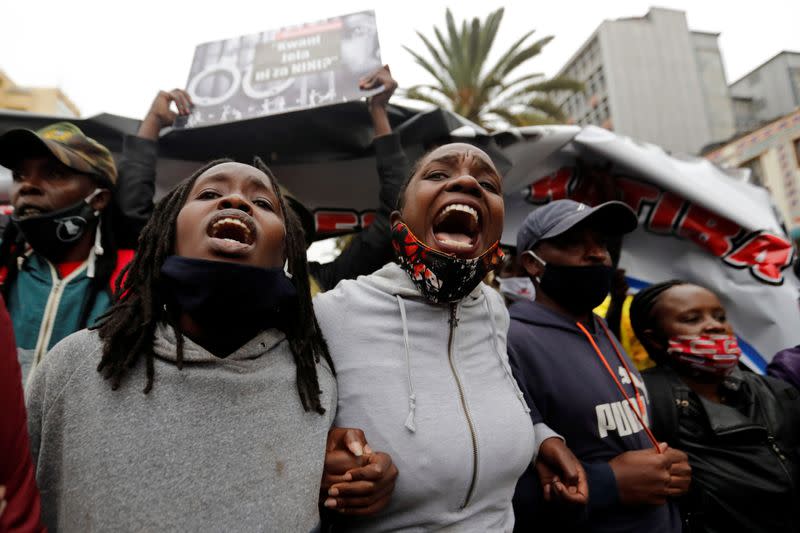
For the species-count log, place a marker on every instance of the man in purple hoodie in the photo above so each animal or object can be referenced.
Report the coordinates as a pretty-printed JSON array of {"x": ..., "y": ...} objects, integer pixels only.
[{"x": 573, "y": 369}]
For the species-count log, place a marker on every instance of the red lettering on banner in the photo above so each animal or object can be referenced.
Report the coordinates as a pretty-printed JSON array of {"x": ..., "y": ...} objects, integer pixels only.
[
  {"x": 636, "y": 194},
  {"x": 708, "y": 230},
  {"x": 665, "y": 213},
  {"x": 766, "y": 255},
  {"x": 552, "y": 187},
  {"x": 367, "y": 219},
  {"x": 335, "y": 221}
]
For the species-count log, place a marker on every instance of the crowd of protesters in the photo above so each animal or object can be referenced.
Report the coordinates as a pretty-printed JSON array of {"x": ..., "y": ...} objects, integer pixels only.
[{"x": 185, "y": 367}]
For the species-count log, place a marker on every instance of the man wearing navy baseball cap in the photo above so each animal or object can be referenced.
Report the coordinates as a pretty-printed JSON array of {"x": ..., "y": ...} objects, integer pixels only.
[{"x": 574, "y": 370}]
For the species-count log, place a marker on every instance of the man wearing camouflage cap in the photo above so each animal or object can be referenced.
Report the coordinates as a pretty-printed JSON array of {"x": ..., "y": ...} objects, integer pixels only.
[{"x": 57, "y": 257}]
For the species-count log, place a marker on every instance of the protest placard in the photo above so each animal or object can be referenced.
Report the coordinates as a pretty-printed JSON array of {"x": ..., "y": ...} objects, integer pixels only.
[{"x": 282, "y": 70}]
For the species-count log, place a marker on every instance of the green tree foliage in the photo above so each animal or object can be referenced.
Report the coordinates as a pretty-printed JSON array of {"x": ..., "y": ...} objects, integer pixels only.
[{"x": 488, "y": 94}]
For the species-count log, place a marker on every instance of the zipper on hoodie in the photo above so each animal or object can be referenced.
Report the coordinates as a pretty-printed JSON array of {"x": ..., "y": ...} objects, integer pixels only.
[
  {"x": 51, "y": 310},
  {"x": 470, "y": 424}
]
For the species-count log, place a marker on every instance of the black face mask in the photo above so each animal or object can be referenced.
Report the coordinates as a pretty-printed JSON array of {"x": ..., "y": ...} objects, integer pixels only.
[
  {"x": 229, "y": 297},
  {"x": 577, "y": 288},
  {"x": 53, "y": 234}
]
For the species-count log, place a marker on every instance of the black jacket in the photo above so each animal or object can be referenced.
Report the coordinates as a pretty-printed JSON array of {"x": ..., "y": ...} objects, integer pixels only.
[
  {"x": 370, "y": 249},
  {"x": 135, "y": 189},
  {"x": 744, "y": 453}
]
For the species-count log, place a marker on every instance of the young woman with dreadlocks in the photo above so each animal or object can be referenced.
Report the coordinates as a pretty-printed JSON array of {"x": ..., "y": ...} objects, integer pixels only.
[
  {"x": 215, "y": 323},
  {"x": 739, "y": 429}
]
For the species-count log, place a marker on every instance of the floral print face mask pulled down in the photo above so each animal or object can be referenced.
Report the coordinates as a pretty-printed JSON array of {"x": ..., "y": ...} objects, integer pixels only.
[{"x": 441, "y": 278}]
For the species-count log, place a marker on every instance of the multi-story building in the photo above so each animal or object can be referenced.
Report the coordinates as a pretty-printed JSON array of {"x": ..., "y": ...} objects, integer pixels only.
[
  {"x": 42, "y": 100},
  {"x": 653, "y": 79},
  {"x": 772, "y": 153},
  {"x": 769, "y": 91}
]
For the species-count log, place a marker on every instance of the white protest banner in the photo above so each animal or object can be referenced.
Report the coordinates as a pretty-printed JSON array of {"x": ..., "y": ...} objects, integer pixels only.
[
  {"x": 697, "y": 223},
  {"x": 282, "y": 70}
]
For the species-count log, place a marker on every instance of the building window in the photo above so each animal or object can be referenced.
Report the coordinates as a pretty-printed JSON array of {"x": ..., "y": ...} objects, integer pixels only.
[{"x": 756, "y": 172}]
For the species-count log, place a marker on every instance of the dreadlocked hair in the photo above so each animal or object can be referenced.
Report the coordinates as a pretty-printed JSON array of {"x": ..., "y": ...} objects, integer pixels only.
[
  {"x": 128, "y": 328},
  {"x": 14, "y": 245},
  {"x": 303, "y": 332},
  {"x": 641, "y": 311}
]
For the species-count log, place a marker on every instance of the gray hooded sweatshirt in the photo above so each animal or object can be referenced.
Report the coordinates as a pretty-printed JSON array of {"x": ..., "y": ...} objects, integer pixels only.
[
  {"x": 223, "y": 444},
  {"x": 431, "y": 385}
]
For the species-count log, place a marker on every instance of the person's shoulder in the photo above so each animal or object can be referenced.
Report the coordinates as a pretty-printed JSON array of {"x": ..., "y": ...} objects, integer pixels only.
[
  {"x": 494, "y": 297},
  {"x": 778, "y": 386},
  {"x": 334, "y": 301},
  {"x": 354, "y": 291},
  {"x": 72, "y": 349},
  {"x": 73, "y": 356},
  {"x": 497, "y": 306}
]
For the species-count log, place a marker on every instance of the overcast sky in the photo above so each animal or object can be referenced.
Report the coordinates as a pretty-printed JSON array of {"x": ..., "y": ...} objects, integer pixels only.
[{"x": 114, "y": 56}]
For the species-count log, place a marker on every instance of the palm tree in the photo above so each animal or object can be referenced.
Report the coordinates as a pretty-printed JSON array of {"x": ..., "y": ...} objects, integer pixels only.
[{"x": 484, "y": 93}]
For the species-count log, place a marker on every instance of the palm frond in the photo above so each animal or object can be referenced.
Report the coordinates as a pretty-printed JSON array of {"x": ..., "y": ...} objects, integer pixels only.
[
  {"x": 506, "y": 114},
  {"x": 536, "y": 119},
  {"x": 524, "y": 55},
  {"x": 437, "y": 57},
  {"x": 424, "y": 63},
  {"x": 547, "y": 107},
  {"x": 496, "y": 71},
  {"x": 415, "y": 94},
  {"x": 456, "y": 58},
  {"x": 553, "y": 85}
]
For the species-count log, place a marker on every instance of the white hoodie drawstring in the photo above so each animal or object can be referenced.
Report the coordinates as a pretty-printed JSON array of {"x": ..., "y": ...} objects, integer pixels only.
[
  {"x": 412, "y": 396},
  {"x": 97, "y": 249},
  {"x": 503, "y": 362}
]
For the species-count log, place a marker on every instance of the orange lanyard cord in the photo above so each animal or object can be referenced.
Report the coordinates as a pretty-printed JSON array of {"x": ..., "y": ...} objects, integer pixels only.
[
  {"x": 622, "y": 360},
  {"x": 636, "y": 412}
]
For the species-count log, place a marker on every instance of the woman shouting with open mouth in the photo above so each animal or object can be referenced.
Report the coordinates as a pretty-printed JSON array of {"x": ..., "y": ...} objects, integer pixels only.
[
  {"x": 420, "y": 352},
  {"x": 215, "y": 322}
]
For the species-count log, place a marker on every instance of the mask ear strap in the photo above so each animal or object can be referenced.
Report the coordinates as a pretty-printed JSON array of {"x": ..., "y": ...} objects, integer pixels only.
[
  {"x": 286, "y": 269},
  {"x": 533, "y": 254},
  {"x": 542, "y": 261}
]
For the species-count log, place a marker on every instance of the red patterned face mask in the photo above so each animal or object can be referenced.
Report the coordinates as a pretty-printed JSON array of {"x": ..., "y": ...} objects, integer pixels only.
[
  {"x": 715, "y": 354},
  {"x": 441, "y": 278}
]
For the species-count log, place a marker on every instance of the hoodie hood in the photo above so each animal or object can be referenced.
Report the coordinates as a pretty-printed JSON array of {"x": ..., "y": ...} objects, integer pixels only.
[
  {"x": 393, "y": 280},
  {"x": 165, "y": 347},
  {"x": 531, "y": 312}
]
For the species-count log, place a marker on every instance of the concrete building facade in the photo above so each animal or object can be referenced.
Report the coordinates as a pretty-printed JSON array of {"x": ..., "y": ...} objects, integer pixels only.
[
  {"x": 653, "y": 79},
  {"x": 769, "y": 91},
  {"x": 772, "y": 153},
  {"x": 42, "y": 100}
]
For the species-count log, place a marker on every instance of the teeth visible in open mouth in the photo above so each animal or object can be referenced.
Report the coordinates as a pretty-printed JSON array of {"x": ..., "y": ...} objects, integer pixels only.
[
  {"x": 232, "y": 230},
  {"x": 233, "y": 221},
  {"x": 30, "y": 211},
  {"x": 456, "y": 244},
  {"x": 463, "y": 208}
]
